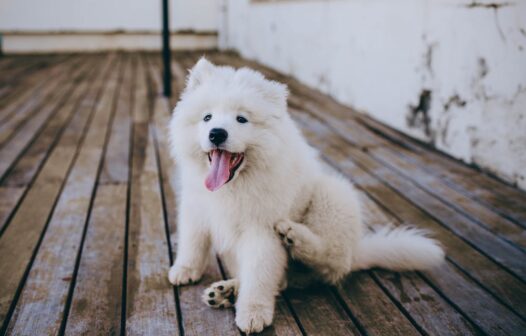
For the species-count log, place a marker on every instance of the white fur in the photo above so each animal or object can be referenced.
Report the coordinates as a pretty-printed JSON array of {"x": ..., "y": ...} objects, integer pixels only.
[{"x": 282, "y": 203}]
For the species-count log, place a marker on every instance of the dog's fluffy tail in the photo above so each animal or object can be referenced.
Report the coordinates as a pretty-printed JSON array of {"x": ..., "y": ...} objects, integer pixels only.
[{"x": 398, "y": 249}]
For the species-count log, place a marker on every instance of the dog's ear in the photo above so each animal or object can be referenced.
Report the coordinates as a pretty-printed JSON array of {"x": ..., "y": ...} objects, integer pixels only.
[
  {"x": 275, "y": 92},
  {"x": 201, "y": 70}
]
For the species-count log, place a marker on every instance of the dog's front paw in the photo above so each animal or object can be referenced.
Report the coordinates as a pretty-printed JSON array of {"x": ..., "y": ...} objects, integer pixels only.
[
  {"x": 254, "y": 318},
  {"x": 284, "y": 229},
  {"x": 180, "y": 275}
]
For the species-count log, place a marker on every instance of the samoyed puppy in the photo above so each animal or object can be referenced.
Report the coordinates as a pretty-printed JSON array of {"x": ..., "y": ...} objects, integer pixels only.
[{"x": 251, "y": 189}]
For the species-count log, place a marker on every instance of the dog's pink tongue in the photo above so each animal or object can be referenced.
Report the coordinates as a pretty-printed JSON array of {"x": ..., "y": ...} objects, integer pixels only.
[{"x": 219, "y": 170}]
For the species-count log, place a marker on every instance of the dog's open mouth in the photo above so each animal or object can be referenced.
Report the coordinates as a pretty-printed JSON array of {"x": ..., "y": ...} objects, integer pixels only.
[{"x": 223, "y": 166}]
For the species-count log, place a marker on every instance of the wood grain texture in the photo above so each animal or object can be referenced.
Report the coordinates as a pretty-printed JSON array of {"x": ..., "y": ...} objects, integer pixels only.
[
  {"x": 12, "y": 148},
  {"x": 150, "y": 302},
  {"x": 115, "y": 168},
  {"x": 17, "y": 94},
  {"x": 23, "y": 233},
  {"x": 26, "y": 165},
  {"x": 373, "y": 308},
  {"x": 97, "y": 300},
  {"x": 9, "y": 198},
  {"x": 508, "y": 201},
  {"x": 41, "y": 305},
  {"x": 48, "y": 92},
  {"x": 320, "y": 313},
  {"x": 421, "y": 302}
]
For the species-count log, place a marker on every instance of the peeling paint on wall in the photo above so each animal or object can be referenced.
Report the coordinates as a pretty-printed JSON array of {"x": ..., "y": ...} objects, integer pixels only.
[
  {"x": 418, "y": 116},
  {"x": 495, "y": 6}
]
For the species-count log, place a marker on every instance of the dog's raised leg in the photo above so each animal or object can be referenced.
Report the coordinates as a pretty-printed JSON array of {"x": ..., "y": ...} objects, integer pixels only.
[
  {"x": 303, "y": 244},
  {"x": 193, "y": 247},
  {"x": 262, "y": 262},
  {"x": 312, "y": 250}
]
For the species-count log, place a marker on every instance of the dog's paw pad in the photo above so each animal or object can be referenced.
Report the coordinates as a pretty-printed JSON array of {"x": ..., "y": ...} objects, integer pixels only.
[{"x": 221, "y": 294}]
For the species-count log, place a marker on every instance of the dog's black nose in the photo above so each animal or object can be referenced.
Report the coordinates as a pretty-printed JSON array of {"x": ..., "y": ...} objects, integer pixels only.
[{"x": 217, "y": 136}]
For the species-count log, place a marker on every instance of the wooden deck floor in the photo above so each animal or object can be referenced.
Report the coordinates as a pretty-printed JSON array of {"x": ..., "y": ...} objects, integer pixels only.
[{"x": 86, "y": 213}]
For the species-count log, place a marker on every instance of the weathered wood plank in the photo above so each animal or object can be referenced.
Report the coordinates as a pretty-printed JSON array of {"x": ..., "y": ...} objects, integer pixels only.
[
  {"x": 20, "y": 70},
  {"x": 19, "y": 240},
  {"x": 12, "y": 149},
  {"x": 7, "y": 61},
  {"x": 502, "y": 198},
  {"x": 18, "y": 92},
  {"x": 115, "y": 168},
  {"x": 150, "y": 304},
  {"x": 319, "y": 312},
  {"x": 26, "y": 166},
  {"x": 41, "y": 305},
  {"x": 52, "y": 89},
  {"x": 96, "y": 305},
  {"x": 372, "y": 308},
  {"x": 482, "y": 215},
  {"x": 425, "y": 306},
  {"x": 97, "y": 301},
  {"x": 9, "y": 197}
]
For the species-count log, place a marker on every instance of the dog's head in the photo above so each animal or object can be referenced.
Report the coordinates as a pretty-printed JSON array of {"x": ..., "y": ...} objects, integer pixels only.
[{"x": 227, "y": 121}]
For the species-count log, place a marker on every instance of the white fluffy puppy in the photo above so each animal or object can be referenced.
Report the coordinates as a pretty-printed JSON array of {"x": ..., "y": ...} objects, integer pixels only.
[{"x": 252, "y": 188}]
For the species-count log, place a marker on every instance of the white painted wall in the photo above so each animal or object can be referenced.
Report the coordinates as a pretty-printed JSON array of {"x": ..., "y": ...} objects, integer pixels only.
[
  {"x": 106, "y": 15},
  {"x": 379, "y": 55}
]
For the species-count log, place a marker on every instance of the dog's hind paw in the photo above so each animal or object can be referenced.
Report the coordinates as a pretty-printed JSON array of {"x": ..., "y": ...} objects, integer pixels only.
[
  {"x": 284, "y": 229},
  {"x": 221, "y": 294}
]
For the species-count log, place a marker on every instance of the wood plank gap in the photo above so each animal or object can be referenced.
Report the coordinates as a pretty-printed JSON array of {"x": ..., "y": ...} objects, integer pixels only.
[
  {"x": 49, "y": 89},
  {"x": 56, "y": 170},
  {"x": 19, "y": 94},
  {"x": 17, "y": 145},
  {"x": 3, "y": 224},
  {"x": 41, "y": 303},
  {"x": 111, "y": 91}
]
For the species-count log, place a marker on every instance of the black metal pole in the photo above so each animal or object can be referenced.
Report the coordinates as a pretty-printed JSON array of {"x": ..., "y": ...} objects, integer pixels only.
[{"x": 167, "y": 75}]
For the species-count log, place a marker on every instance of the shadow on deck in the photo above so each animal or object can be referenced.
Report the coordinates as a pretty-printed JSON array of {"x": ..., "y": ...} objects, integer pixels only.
[{"x": 86, "y": 213}]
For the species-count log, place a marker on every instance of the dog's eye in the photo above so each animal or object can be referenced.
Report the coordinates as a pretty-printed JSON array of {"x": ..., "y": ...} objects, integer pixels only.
[
  {"x": 241, "y": 119},
  {"x": 207, "y": 117}
]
